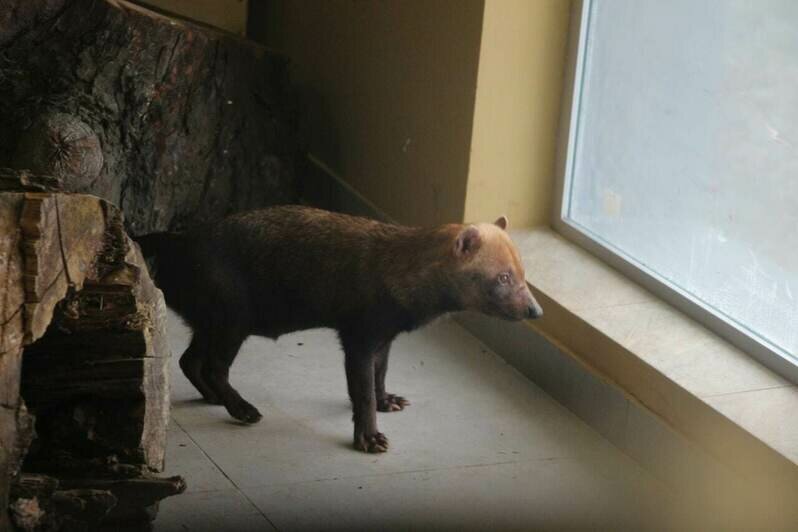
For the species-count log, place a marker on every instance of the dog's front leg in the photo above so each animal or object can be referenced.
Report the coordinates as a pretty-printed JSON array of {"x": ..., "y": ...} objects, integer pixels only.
[{"x": 360, "y": 381}]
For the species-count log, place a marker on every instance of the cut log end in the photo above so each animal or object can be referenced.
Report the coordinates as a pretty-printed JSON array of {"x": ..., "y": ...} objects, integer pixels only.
[{"x": 62, "y": 146}]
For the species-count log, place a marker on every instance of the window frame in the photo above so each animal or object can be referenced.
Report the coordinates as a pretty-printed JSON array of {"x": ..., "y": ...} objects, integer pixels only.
[{"x": 759, "y": 348}]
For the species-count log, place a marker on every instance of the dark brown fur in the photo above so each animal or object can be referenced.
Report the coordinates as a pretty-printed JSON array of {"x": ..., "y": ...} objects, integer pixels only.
[{"x": 283, "y": 269}]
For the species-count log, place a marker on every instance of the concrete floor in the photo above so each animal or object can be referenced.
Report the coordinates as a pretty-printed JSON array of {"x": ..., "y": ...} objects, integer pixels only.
[{"x": 481, "y": 447}]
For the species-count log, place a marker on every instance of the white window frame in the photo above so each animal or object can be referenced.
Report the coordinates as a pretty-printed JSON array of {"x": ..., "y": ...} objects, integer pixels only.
[{"x": 764, "y": 351}]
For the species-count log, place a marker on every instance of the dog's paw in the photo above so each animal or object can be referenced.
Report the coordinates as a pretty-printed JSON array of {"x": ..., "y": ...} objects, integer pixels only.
[
  {"x": 392, "y": 403},
  {"x": 243, "y": 411},
  {"x": 210, "y": 396},
  {"x": 374, "y": 443}
]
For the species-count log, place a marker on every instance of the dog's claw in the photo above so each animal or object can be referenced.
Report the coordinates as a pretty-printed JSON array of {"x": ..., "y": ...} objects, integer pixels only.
[
  {"x": 375, "y": 443},
  {"x": 392, "y": 403}
]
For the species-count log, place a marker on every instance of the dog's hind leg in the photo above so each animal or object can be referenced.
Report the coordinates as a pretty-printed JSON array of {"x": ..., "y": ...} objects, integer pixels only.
[
  {"x": 225, "y": 339},
  {"x": 386, "y": 402},
  {"x": 192, "y": 363}
]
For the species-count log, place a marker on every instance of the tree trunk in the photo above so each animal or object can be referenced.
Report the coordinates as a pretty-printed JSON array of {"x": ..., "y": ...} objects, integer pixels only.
[
  {"x": 83, "y": 365},
  {"x": 174, "y": 122}
]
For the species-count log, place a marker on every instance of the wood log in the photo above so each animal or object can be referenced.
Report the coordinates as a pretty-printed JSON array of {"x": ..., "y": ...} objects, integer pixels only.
[
  {"x": 19, "y": 16},
  {"x": 64, "y": 146},
  {"x": 25, "y": 434},
  {"x": 41, "y": 502},
  {"x": 61, "y": 237},
  {"x": 26, "y": 181},
  {"x": 89, "y": 507},
  {"x": 31, "y": 495},
  {"x": 176, "y": 123},
  {"x": 28, "y": 515},
  {"x": 13, "y": 300},
  {"x": 11, "y": 336},
  {"x": 84, "y": 344},
  {"x": 86, "y": 282},
  {"x": 30, "y": 486},
  {"x": 45, "y": 502},
  {"x": 135, "y": 492}
]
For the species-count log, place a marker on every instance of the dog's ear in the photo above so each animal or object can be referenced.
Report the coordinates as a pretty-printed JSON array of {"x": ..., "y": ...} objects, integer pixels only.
[
  {"x": 502, "y": 222},
  {"x": 468, "y": 241}
]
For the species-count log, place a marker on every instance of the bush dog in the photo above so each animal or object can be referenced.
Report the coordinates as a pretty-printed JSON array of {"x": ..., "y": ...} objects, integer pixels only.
[{"x": 282, "y": 269}]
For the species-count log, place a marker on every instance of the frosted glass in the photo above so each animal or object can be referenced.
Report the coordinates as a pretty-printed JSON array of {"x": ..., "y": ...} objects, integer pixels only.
[{"x": 685, "y": 155}]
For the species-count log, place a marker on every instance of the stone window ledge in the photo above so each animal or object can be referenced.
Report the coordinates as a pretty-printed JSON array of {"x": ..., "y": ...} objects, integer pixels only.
[{"x": 712, "y": 393}]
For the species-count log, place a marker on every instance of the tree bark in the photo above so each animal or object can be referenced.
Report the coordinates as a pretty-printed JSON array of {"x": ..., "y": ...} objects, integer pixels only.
[
  {"x": 175, "y": 122},
  {"x": 83, "y": 347}
]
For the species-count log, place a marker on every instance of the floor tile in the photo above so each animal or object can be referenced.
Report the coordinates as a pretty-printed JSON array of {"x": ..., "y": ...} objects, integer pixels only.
[
  {"x": 468, "y": 407},
  {"x": 479, "y": 447},
  {"x": 185, "y": 458},
  {"x": 210, "y": 511},
  {"x": 537, "y": 495}
]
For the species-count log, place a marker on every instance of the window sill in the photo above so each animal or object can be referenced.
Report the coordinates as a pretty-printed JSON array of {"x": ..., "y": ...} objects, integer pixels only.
[{"x": 716, "y": 396}]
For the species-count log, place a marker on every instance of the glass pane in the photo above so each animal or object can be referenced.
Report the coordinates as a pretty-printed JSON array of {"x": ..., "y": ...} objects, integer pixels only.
[{"x": 685, "y": 157}]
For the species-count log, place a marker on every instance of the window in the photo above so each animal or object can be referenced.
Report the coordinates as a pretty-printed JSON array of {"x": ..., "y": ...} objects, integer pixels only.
[{"x": 681, "y": 165}]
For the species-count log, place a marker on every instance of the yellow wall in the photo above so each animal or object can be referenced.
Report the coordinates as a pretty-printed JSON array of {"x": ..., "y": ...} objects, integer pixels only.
[
  {"x": 517, "y": 111},
  {"x": 230, "y": 15},
  {"x": 434, "y": 110},
  {"x": 387, "y": 93}
]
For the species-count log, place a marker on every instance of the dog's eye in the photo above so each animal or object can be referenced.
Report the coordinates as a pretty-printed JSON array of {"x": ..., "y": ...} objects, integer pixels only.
[{"x": 504, "y": 278}]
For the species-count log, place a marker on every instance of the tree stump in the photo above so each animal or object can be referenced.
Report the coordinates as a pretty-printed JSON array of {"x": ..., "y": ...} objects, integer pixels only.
[
  {"x": 175, "y": 122},
  {"x": 83, "y": 352}
]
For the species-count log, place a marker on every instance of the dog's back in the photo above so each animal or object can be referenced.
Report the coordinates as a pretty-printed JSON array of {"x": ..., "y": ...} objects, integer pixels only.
[{"x": 276, "y": 270}]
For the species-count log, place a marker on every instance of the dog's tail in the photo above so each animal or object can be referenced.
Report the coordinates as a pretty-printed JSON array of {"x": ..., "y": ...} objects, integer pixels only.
[
  {"x": 165, "y": 255},
  {"x": 154, "y": 245}
]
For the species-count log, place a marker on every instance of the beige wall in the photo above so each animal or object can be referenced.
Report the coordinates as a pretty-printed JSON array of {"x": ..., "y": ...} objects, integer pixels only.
[
  {"x": 434, "y": 110},
  {"x": 230, "y": 15},
  {"x": 517, "y": 111},
  {"x": 387, "y": 90}
]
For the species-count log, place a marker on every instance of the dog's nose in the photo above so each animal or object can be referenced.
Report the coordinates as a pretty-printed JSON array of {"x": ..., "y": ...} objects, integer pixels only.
[{"x": 534, "y": 311}]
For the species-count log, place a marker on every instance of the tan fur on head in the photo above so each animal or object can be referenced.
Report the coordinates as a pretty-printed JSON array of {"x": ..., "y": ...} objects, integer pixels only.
[
  {"x": 498, "y": 252},
  {"x": 491, "y": 275}
]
